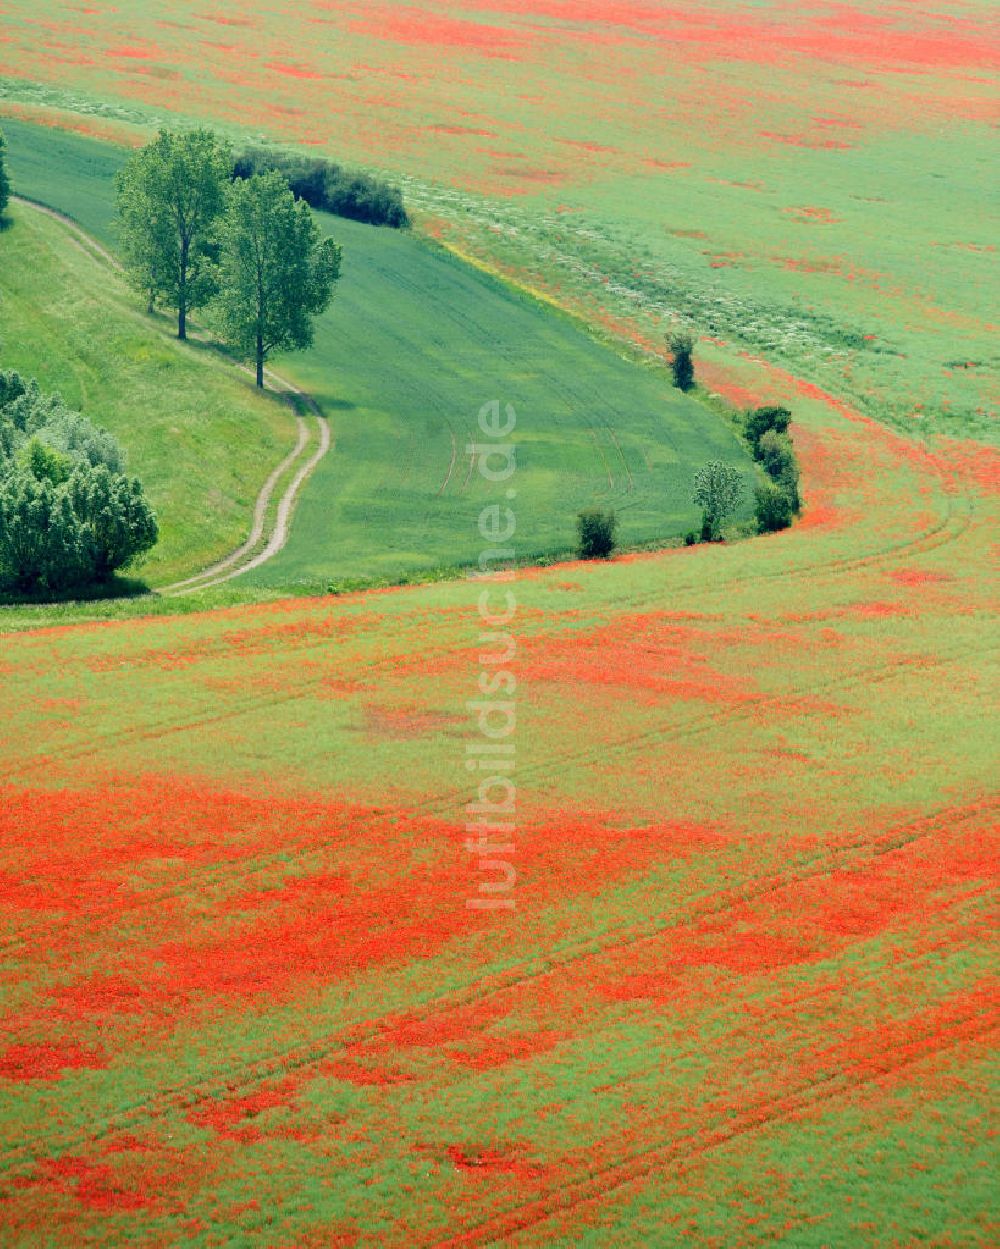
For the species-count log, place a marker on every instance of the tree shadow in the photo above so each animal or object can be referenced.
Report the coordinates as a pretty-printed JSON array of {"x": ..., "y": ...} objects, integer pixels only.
[{"x": 116, "y": 588}]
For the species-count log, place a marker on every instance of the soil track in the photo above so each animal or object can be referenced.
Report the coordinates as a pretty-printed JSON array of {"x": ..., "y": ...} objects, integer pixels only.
[{"x": 248, "y": 554}]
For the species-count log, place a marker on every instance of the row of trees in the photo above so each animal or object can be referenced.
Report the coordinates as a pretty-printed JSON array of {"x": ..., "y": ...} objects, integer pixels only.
[
  {"x": 719, "y": 488},
  {"x": 245, "y": 250},
  {"x": 329, "y": 187},
  {"x": 69, "y": 515}
]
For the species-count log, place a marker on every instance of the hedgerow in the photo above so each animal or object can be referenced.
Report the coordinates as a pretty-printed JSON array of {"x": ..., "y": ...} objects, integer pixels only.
[{"x": 330, "y": 187}]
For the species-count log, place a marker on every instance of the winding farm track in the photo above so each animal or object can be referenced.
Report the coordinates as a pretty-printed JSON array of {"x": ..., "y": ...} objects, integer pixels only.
[{"x": 304, "y": 456}]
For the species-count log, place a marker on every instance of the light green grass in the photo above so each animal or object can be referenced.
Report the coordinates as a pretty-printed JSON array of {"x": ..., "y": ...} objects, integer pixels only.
[{"x": 198, "y": 436}]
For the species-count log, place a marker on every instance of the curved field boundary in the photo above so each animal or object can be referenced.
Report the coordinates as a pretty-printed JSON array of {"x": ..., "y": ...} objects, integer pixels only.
[{"x": 241, "y": 560}]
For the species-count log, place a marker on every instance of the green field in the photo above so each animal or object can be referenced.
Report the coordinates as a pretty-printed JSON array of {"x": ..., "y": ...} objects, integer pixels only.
[{"x": 415, "y": 343}]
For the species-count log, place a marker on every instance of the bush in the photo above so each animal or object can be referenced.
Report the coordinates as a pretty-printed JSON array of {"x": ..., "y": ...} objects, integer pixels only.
[
  {"x": 73, "y": 435},
  {"x": 775, "y": 453},
  {"x": 690, "y": 538},
  {"x": 596, "y": 531},
  {"x": 773, "y": 507},
  {"x": 68, "y": 516},
  {"x": 117, "y": 525},
  {"x": 329, "y": 187},
  {"x": 761, "y": 420},
  {"x": 718, "y": 489},
  {"x": 681, "y": 365},
  {"x": 39, "y": 534},
  {"x": 43, "y": 463}
]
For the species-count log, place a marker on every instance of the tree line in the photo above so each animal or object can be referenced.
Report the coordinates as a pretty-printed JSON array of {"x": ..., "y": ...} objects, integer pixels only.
[
  {"x": 245, "y": 249},
  {"x": 330, "y": 187}
]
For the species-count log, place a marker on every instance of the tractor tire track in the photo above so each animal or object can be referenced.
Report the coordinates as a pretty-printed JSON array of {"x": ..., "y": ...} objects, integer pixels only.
[{"x": 190, "y": 1093}]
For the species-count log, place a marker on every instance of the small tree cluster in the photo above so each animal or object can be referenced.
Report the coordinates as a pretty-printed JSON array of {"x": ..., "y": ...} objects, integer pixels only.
[
  {"x": 329, "y": 187},
  {"x": 192, "y": 237},
  {"x": 68, "y": 514},
  {"x": 681, "y": 346},
  {"x": 596, "y": 533},
  {"x": 4, "y": 178},
  {"x": 764, "y": 420},
  {"x": 718, "y": 491},
  {"x": 776, "y": 500}
]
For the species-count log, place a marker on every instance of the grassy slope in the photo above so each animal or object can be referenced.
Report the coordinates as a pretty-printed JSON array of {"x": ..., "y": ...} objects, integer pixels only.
[
  {"x": 197, "y": 435},
  {"x": 415, "y": 343}
]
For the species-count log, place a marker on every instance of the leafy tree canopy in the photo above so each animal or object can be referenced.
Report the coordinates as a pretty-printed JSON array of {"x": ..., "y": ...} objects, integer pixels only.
[{"x": 275, "y": 274}]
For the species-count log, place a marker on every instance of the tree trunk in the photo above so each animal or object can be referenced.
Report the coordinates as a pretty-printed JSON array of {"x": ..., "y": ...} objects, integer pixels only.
[
  {"x": 182, "y": 294},
  {"x": 260, "y": 361}
]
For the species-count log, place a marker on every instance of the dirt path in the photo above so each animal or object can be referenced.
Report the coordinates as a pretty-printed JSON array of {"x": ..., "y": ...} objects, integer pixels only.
[{"x": 243, "y": 558}]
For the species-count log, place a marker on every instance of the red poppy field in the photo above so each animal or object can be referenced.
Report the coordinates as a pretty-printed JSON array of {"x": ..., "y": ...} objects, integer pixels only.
[
  {"x": 725, "y": 976},
  {"x": 744, "y": 995}
]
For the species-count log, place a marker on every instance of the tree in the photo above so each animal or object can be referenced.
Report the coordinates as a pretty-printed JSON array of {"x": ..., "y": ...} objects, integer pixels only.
[
  {"x": 39, "y": 533},
  {"x": 4, "y": 179},
  {"x": 773, "y": 507},
  {"x": 761, "y": 420},
  {"x": 117, "y": 525},
  {"x": 681, "y": 346},
  {"x": 170, "y": 196},
  {"x": 775, "y": 453},
  {"x": 596, "y": 531},
  {"x": 718, "y": 489},
  {"x": 275, "y": 275}
]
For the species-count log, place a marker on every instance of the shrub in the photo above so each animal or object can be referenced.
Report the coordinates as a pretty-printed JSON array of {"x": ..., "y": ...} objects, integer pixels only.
[
  {"x": 596, "y": 531},
  {"x": 718, "y": 489},
  {"x": 773, "y": 507},
  {"x": 44, "y": 463},
  {"x": 775, "y": 453},
  {"x": 72, "y": 434},
  {"x": 39, "y": 534},
  {"x": 681, "y": 365},
  {"x": 690, "y": 538},
  {"x": 329, "y": 187},
  {"x": 12, "y": 386},
  {"x": 68, "y": 516},
  {"x": 117, "y": 525},
  {"x": 761, "y": 420},
  {"x": 789, "y": 482}
]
